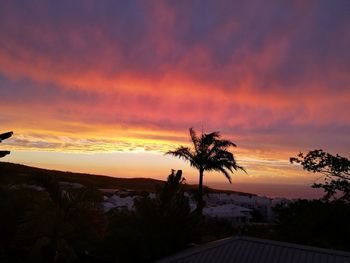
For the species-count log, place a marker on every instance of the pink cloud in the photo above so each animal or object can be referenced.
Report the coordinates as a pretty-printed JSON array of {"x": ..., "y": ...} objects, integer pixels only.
[{"x": 169, "y": 68}]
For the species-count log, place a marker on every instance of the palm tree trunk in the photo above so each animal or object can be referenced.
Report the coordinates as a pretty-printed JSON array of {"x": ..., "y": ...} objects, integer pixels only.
[{"x": 200, "y": 192}]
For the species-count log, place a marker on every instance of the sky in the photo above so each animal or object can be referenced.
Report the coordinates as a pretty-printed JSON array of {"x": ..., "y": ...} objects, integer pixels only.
[{"x": 108, "y": 87}]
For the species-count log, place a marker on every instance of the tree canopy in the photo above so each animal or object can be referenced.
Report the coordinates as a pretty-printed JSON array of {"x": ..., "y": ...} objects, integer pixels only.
[
  {"x": 336, "y": 171},
  {"x": 209, "y": 152}
]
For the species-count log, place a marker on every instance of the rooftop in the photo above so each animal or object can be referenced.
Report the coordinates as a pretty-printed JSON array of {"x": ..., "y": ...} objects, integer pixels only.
[{"x": 254, "y": 250}]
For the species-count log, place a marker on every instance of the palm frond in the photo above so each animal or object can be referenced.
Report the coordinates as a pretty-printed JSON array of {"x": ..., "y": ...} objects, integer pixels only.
[
  {"x": 241, "y": 168},
  {"x": 209, "y": 153},
  {"x": 208, "y": 139},
  {"x": 186, "y": 154},
  {"x": 224, "y": 144},
  {"x": 223, "y": 171},
  {"x": 195, "y": 139}
]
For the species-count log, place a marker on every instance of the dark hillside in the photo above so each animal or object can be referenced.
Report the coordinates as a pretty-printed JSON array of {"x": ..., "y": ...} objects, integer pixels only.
[{"x": 11, "y": 173}]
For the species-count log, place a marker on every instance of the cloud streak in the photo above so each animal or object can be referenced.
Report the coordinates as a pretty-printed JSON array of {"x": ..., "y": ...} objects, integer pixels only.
[{"x": 272, "y": 76}]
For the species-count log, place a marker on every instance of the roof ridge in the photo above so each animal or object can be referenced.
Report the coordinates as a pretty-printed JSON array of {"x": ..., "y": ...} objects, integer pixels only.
[
  {"x": 227, "y": 241},
  {"x": 293, "y": 245},
  {"x": 201, "y": 247}
]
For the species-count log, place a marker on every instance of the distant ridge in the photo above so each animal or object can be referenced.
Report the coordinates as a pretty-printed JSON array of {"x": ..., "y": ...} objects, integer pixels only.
[
  {"x": 12, "y": 173},
  {"x": 17, "y": 173}
]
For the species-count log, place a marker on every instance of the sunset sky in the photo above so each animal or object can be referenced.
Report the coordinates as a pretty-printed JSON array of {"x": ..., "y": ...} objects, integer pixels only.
[{"x": 108, "y": 86}]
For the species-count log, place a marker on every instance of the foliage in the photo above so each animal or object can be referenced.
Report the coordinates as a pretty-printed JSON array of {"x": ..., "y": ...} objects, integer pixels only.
[
  {"x": 169, "y": 215},
  {"x": 14, "y": 204},
  {"x": 209, "y": 153},
  {"x": 315, "y": 223},
  {"x": 158, "y": 226},
  {"x": 257, "y": 216},
  {"x": 213, "y": 228},
  {"x": 336, "y": 170},
  {"x": 51, "y": 225},
  {"x": 5, "y": 136},
  {"x": 308, "y": 222}
]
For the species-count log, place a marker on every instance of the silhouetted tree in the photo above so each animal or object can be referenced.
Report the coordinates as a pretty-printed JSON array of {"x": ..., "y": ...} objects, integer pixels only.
[
  {"x": 167, "y": 218},
  {"x": 64, "y": 224},
  {"x": 315, "y": 223},
  {"x": 170, "y": 198},
  {"x": 335, "y": 168},
  {"x": 209, "y": 153},
  {"x": 4, "y": 136},
  {"x": 14, "y": 204},
  {"x": 159, "y": 226}
]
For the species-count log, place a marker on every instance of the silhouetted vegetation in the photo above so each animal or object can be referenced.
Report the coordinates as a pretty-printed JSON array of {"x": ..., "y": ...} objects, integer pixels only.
[
  {"x": 42, "y": 221},
  {"x": 316, "y": 223},
  {"x": 5, "y": 136},
  {"x": 308, "y": 222},
  {"x": 209, "y": 153},
  {"x": 158, "y": 226},
  {"x": 49, "y": 224},
  {"x": 324, "y": 222},
  {"x": 336, "y": 170}
]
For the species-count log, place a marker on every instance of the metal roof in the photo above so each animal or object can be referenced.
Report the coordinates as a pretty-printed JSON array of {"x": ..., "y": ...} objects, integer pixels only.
[{"x": 254, "y": 250}]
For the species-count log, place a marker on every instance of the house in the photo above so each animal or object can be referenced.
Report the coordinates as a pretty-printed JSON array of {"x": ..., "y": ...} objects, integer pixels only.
[
  {"x": 118, "y": 202},
  {"x": 252, "y": 202},
  {"x": 232, "y": 212}
]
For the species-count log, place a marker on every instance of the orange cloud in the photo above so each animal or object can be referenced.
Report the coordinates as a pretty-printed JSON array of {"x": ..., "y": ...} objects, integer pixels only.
[{"x": 129, "y": 77}]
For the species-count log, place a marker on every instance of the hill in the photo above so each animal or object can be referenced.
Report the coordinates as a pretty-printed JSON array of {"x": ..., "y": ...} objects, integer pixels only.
[{"x": 11, "y": 173}]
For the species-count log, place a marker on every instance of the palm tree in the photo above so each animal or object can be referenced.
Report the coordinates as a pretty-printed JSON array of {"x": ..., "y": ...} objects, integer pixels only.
[{"x": 209, "y": 153}]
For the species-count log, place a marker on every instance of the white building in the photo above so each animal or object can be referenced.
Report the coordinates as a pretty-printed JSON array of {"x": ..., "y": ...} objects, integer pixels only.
[
  {"x": 237, "y": 214},
  {"x": 118, "y": 202}
]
